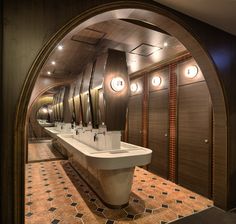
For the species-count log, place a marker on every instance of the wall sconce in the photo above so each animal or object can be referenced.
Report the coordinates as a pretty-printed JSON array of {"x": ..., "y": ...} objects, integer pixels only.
[
  {"x": 191, "y": 71},
  {"x": 134, "y": 87},
  {"x": 156, "y": 81},
  {"x": 45, "y": 110},
  {"x": 117, "y": 84}
]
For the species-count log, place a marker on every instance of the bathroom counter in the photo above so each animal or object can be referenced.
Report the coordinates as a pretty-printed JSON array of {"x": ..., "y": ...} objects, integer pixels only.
[
  {"x": 53, "y": 131},
  {"x": 127, "y": 156},
  {"x": 108, "y": 172}
]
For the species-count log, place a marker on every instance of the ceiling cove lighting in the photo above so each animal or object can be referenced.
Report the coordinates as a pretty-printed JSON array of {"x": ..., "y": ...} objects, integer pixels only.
[
  {"x": 134, "y": 87},
  {"x": 191, "y": 71},
  {"x": 117, "y": 84},
  {"x": 156, "y": 81}
]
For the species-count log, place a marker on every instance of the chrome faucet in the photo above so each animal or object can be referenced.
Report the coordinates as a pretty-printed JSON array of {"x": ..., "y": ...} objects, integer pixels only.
[
  {"x": 77, "y": 130},
  {"x": 95, "y": 137}
]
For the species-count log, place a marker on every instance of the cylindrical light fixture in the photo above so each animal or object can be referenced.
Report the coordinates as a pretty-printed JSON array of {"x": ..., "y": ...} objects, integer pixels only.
[
  {"x": 117, "y": 84},
  {"x": 191, "y": 71},
  {"x": 134, "y": 87},
  {"x": 156, "y": 81}
]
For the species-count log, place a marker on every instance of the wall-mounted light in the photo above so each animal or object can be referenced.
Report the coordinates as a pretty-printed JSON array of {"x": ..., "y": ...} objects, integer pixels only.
[
  {"x": 191, "y": 71},
  {"x": 134, "y": 87},
  {"x": 117, "y": 84},
  {"x": 45, "y": 110},
  {"x": 156, "y": 80},
  {"x": 49, "y": 73}
]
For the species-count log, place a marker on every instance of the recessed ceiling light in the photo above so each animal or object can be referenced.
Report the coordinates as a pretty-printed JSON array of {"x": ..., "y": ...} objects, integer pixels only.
[
  {"x": 60, "y": 47},
  {"x": 165, "y": 44},
  {"x": 49, "y": 73},
  {"x": 53, "y": 62}
]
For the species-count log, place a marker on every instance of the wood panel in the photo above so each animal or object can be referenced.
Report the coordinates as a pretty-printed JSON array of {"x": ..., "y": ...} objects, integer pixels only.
[
  {"x": 194, "y": 138},
  {"x": 84, "y": 95},
  {"x": 77, "y": 100},
  {"x": 116, "y": 103},
  {"x": 67, "y": 115},
  {"x": 71, "y": 100},
  {"x": 135, "y": 120},
  {"x": 158, "y": 129}
]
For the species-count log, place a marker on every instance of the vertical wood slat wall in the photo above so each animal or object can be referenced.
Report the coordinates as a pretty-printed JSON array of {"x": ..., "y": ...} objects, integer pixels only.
[{"x": 172, "y": 121}]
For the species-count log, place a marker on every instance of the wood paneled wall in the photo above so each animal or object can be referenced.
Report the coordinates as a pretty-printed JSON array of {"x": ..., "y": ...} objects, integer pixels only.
[
  {"x": 135, "y": 134},
  {"x": 158, "y": 132},
  {"x": 194, "y": 138},
  {"x": 178, "y": 117}
]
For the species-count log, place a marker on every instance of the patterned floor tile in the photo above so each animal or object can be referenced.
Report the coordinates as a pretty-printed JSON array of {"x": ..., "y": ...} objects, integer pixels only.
[{"x": 68, "y": 199}]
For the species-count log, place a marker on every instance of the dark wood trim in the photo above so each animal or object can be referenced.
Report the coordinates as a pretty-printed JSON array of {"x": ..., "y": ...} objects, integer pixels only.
[
  {"x": 187, "y": 84},
  {"x": 126, "y": 127},
  {"x": 90, "y": 96},
  {"x": 172, "y": 121},
  {"x": 211, "y": 141},
  {"x": 183, "y": 56}
]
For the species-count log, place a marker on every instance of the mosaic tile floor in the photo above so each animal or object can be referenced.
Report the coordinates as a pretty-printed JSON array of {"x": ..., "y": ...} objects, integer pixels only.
[
  {"x": 55, "y": 193},
  {"x": 42, "y": 151}
]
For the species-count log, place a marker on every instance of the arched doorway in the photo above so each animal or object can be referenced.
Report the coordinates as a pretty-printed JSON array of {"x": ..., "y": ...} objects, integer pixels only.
[{"x": 166, "y": 21}]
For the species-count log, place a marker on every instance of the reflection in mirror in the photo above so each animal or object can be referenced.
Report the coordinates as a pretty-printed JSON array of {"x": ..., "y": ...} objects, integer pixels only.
[{"x": 45, "y": 115}]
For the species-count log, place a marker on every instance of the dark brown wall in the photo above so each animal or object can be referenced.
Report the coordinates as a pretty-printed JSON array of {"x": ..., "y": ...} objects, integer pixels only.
[
  {"x": 187, "y": 157},
  {"x": 116, "y": 103},
  {"x": 28, "y": 26},
  {"x": 194, "y": 138},
  {"x": 158, "y": 123},
  {"x": 158, "y": 132},
  {"x": 66, "y": 109},
  {"x": 135, "y": 134},
  {"x": 135, "y": 113}
]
